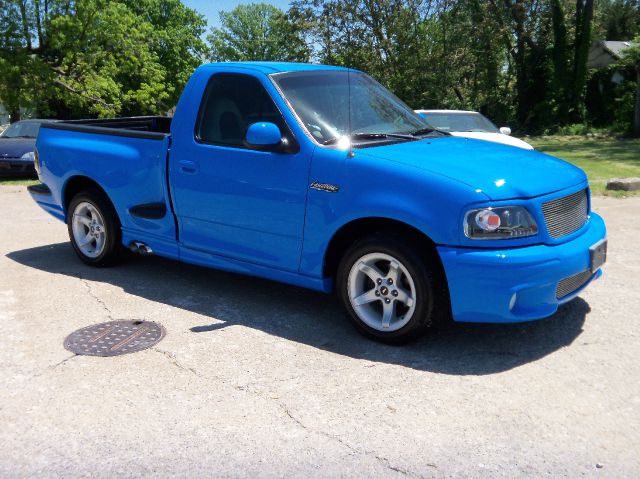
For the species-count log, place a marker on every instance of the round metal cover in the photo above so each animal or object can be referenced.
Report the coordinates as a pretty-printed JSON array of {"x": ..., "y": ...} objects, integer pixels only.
[{"x": 114, "y": 338}]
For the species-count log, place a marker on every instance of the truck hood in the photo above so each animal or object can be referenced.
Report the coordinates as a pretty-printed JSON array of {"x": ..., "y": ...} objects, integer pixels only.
[
  {"x": 16, "y": 147},
  {"x": 500, "y": 171}
]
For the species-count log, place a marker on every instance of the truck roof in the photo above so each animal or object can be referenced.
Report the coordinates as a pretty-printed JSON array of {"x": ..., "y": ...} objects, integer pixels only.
[{"x": 275, "y": 67}]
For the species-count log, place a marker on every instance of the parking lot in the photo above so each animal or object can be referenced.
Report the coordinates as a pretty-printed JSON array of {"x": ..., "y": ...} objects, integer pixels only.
[{"x": 259, "y": 379}]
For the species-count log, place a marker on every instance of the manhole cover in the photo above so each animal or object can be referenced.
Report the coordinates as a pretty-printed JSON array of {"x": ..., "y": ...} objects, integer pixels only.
[{"x": 114, "y": 338}]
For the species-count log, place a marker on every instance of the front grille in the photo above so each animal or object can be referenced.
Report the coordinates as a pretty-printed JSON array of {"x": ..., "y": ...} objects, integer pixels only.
[
  {"x": 565, "y": 215},
  {"x": 572, "y": 283}
]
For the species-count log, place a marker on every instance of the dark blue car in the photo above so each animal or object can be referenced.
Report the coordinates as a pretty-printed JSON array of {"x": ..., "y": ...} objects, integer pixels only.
[{"x": 17, "y": 144}]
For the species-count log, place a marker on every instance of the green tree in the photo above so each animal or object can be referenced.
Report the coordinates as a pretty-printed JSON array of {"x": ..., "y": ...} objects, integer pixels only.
[
  {"x": 616, "y": 19},
  {"x": 16, "y": 62},
  {"x": 385, "y": 38},
  {"x": 631, "y": 61},
  {"x": 516, "y": 60},
  {"x": 582, "y": 42},
  {"x": 256, "y": 31},
  {"x": 431, "y": 54},
  {"x": 79, "y": 58},
  {"x": 176, "y": 39}
]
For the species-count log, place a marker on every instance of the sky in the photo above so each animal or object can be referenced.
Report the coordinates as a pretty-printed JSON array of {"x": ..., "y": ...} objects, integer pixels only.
[{"x": 210, "y": 8}]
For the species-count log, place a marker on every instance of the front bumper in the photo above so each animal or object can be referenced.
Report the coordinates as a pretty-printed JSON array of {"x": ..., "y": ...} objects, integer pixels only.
[
  {"x": 16, "y": 167},
  {"x": 517, "y": 284}
]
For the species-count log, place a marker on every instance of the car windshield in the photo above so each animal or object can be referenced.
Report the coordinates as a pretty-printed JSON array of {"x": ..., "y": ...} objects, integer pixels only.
[
  {"x": 22, "y": 129},
  {"x": 472, "y": 122},
  {"x": 321, "y": 101}
]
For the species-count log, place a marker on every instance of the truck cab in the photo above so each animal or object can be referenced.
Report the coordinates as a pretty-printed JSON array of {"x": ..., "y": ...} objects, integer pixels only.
[{"x": 320, "y": 177}]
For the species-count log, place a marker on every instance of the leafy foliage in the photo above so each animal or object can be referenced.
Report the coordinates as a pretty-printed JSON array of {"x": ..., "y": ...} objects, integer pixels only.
[
  {"x": 522, "y": 61},
  {"x": 628, "y": 110},
  {"x": 257, "y": 31},
  {"x": 616, "y": 19},
  {"x": 97, "y": 57}
]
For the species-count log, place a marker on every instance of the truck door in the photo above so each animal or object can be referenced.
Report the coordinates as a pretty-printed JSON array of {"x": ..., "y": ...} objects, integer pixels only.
[{"x": 231, "y": 200}]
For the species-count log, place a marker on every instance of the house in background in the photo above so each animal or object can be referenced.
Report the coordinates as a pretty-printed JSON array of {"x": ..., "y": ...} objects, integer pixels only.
[
  {"x": 604, "y": 79},
  {"x": 604, "y": 53}
]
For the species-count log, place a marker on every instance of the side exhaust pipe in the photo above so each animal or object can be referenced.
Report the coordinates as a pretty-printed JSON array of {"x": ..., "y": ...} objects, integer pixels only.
[{"x": 140, "y": 248}]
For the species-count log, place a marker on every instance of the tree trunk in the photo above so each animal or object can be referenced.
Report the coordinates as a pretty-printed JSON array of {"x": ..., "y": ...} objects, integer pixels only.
[
  {"x": 14, "y": 114},
  {"x": 636, "y": 113},
  {"x": 25, "y": 24},
  {"x": 520, "y": 59},
  {"x": 584, "y": 15},
  {"x": 559, "y": 59}
]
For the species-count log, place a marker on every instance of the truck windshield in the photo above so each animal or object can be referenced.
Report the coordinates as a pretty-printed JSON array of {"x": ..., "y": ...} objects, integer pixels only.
[
  {"x": 471, "y": 122},
  {"x": 22, "y": 129},
  {"x": 321, "y": 101}
]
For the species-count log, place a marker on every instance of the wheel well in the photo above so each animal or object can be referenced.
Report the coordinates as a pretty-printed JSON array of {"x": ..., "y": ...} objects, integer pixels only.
[
  {"x": 361, "y": 228},
  {"x": 357, "y": 229},
  {"x": 77, "y": 184}
]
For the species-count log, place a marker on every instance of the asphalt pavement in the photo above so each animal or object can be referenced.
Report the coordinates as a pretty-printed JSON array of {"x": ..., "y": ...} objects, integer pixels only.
[{"x": 257, "y": 379}]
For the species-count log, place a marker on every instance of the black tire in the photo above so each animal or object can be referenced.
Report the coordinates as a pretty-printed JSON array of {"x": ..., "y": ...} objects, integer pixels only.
[
  {"x": 422, "y": 271},
  {"x": 112, "y": 251}
]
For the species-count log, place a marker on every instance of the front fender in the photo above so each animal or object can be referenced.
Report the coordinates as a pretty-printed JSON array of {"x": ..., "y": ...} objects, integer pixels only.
[{"x": 369, "y": 187}]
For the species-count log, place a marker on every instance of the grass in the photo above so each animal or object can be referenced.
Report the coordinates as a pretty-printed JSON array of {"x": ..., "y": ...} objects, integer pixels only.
[
  {"x": 601, "y": 158},
  {"x": 18, "y": 181}
]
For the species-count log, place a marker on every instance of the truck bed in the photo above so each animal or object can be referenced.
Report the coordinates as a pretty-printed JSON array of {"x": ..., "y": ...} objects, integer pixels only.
[
  {"x": 126, "y": 158},
  {"x": 149, "y": 127}
]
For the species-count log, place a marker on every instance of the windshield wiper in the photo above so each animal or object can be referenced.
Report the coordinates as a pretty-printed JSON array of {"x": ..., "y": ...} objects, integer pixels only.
[
  {"x": 370, "y": 136},
  {"x": 426, "y": 131},
  {"x": 423, "y": 131}
]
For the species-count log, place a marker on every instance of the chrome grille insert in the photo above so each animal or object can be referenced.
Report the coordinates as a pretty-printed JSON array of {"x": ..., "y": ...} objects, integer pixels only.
[
  {"x": 565, "y": 215},
  {"x": 572, "y": 283}
]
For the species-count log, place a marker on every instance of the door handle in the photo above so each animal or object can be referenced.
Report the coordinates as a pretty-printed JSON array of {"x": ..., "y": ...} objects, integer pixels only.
[{"x": 189, "y": 167}]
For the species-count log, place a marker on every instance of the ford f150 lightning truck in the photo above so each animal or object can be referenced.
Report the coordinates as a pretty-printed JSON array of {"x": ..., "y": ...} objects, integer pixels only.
[{"x": 319, "y": 177}]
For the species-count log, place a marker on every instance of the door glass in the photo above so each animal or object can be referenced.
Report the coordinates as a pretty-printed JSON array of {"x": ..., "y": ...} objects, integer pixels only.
[{"x": 230, "y": 104}]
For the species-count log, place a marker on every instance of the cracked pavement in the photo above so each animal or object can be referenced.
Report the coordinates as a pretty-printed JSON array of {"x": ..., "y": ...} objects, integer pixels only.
[{"x": 259, "y": 379}]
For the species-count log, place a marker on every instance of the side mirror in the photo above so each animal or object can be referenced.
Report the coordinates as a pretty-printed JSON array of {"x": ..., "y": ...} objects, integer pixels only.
[
  {"x": 505, "y": 130},
  {"x": 263, "y": 136}
]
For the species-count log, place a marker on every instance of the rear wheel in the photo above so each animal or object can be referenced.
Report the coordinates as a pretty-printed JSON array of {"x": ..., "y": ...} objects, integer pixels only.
[
  {"x": 386, "y": 286},
  {"x": 94, "y": 228}
]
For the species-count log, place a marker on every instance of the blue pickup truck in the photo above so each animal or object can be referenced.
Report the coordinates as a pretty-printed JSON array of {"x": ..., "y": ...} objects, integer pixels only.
[{"x": 317, "y": 176}]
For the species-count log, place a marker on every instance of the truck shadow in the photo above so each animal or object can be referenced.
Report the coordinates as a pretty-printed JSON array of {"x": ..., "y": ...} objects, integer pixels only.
[{"x": 313, "y": 318}]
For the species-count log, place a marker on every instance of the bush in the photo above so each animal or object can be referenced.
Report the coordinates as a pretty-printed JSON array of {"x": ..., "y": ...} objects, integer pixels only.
[
  {"x": 625, "y": 102},
  {"x": 578, "y": 129}
]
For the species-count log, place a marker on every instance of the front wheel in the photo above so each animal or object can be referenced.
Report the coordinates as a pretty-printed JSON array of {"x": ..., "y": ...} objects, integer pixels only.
[
  {"x": 94, "y": 228},
  {"x": 386, "y": 286}
]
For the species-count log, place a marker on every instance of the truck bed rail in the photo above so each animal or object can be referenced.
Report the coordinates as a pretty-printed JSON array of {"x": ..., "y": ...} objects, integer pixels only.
[{"x": 146, "y": 127}]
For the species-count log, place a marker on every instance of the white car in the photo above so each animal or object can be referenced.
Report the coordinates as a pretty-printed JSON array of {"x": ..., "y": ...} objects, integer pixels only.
[{"x": 471, "y": 124}]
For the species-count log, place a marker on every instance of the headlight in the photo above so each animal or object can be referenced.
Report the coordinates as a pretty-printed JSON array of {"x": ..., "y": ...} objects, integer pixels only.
[
  {"x": 499, "y": 223},
  {"x": 28, "y": 156}
]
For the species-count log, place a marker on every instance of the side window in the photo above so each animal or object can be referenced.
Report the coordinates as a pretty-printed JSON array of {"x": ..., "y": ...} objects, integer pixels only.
[{"x": 230, "y": 104}]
